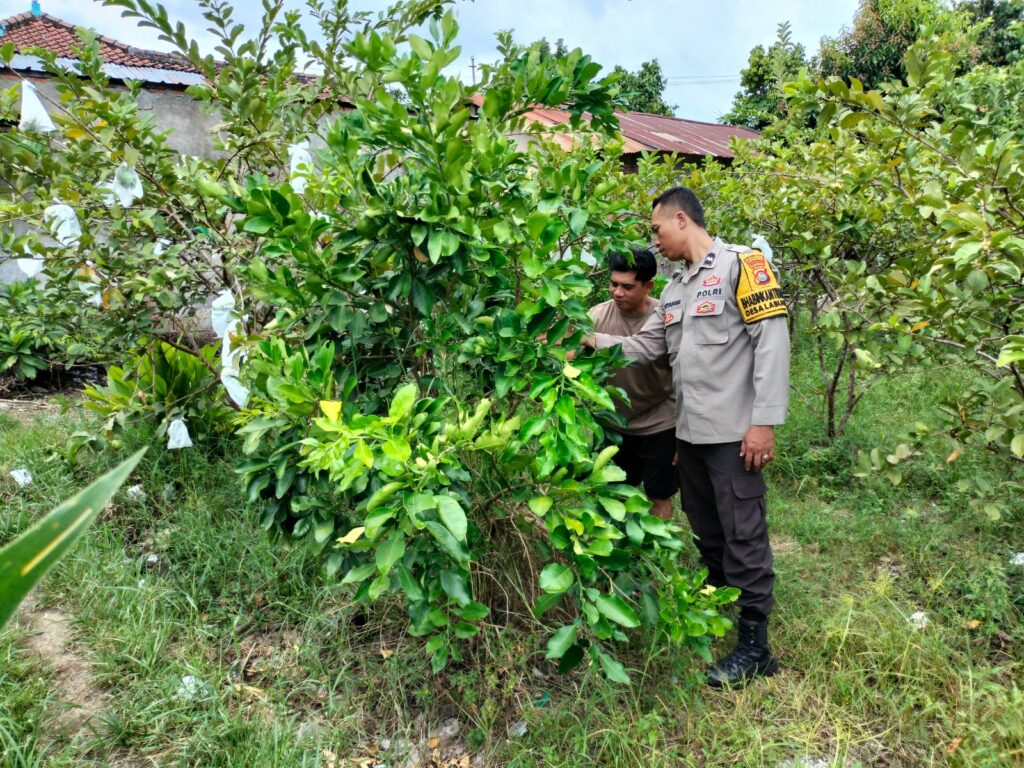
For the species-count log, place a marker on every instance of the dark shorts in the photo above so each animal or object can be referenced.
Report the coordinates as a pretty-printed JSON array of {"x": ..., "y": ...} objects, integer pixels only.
[{"x": 648, "y": 459}]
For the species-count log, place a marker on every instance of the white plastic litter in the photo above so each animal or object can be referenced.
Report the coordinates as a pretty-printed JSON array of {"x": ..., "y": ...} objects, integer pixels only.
[
  {"x": 191, "y": 688},
  {"x": 761, "y": 244},
  {"x": 34, "y": 116},
  {"x": 1017, "y": 558},
  {"x": 301, "y": 166},
  {"x": 63, "y": 223},
  {"x": 177, "y": 435},
  {"x": 22, "y": 477},
  {"x": 919, "y": 620},
  {"x": 160, "y": 245},
  {"x": 126, "y": 186},
  {"x": 222, "y": 312},
  {"x": 518, "y": 729},
  {"x": 136, "y": 493},
  {"x": 30, "y": 266}
]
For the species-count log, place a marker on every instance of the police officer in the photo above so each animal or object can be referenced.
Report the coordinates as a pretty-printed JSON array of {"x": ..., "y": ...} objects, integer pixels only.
[{"x": 722, "y": 324}]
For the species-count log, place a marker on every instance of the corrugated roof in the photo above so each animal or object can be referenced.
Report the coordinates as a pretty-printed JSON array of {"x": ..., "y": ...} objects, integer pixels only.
[
  {"x": 644, "y": 132},
  {"x": 115, "y": 71},
  {"x": 27, "y": 30}
]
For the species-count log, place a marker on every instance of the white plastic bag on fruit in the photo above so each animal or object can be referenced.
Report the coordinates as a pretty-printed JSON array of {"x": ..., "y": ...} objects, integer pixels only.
[
  {"x": 126, "y": 186},
  {"x": 222, "y": 312},
  {"x": 177, "y": 436},
  {"x": 761, "y": 244},
  {"x": 34, "y": 116},
  {"x": 63, "y": 223},
  {"x": 30, "y": 266},
  {"x": 301, "y": 166},
  {"x": 231, "y": 361}
]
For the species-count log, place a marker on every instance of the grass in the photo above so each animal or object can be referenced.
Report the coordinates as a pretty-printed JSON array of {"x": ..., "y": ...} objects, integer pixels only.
[{"x": 292, "y": 674}]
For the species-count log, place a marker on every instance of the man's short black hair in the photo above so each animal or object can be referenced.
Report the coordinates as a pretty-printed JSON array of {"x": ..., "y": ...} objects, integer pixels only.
[
  {"x": 642, "y": 263},
  {"x": 682, "y": 199}
]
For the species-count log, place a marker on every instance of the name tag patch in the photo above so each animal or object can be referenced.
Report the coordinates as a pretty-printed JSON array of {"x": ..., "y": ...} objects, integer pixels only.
[{"x": 706, "y": 308}]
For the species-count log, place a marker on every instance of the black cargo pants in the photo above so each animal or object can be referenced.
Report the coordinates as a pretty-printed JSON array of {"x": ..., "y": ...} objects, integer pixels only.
[{"x": 725, "y": 505}]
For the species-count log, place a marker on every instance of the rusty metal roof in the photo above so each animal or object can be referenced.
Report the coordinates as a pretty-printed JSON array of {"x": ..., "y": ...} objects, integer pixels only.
[
  {"x": 114, "y": 71},
  {"x": 27, "y": 31},
  {"x": 644, "y": 132}
]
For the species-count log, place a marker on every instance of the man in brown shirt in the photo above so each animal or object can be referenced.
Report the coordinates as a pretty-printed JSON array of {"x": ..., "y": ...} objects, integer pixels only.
[{"x": 649, "y": 440}]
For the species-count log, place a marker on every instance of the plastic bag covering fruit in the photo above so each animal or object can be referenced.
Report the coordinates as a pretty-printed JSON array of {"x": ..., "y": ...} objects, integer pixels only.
[
  {"x": 126, "y": 186},
  {"x": 63, "y": 223},
  {"x": 34, "y": 116},
  {"x": 301, "y": 166},
  {"x": 177, "y": 435}
]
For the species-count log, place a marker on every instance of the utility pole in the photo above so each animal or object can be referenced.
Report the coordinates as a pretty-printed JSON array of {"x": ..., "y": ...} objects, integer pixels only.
[{"x": 472, "y": 68}]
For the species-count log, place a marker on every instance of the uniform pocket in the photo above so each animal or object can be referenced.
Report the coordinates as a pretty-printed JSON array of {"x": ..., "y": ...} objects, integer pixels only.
[
  {"x": 748, "y": 506},
  {"x": 709, "y": 330}
]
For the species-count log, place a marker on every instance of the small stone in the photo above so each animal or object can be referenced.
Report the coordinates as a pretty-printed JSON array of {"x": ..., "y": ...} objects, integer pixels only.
[
  {"x": 449, "y": 730},
  {"x": 518, "y": 729},
  {"x": 307, "y": 731},
  {"x": 136, "y": 493}
]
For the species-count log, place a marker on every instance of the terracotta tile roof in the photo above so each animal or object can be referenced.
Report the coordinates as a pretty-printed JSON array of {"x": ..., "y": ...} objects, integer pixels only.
[
  {"x": 26, "y": 31},
  {"x": 644, "y": 132}
]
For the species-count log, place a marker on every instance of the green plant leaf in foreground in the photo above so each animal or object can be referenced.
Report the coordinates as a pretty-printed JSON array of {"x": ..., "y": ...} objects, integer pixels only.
[{"x": 24, "y": 561}]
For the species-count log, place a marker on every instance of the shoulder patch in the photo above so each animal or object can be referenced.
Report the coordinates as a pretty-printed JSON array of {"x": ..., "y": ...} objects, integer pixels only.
[{"x": 758, "y": 293}]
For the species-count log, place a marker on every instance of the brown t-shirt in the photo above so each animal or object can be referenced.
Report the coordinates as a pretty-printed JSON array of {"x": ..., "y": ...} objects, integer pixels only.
[{"x": 652, "y": 405}]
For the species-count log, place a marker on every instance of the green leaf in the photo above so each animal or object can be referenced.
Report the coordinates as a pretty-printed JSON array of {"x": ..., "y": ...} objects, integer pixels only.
[
  {"x": 360, "y": 573},
  {"x": 390, "y": 552},
  {"x": 561, "y": 641},
  {"x": 615, "y": 670},
  {"x": 614, "y": 507},
  {"x": 556, "y": 578},
  {"x": 452, "y": 516},
  {"x": 448, "y": 542},
  {"x": 454, "y": 585},
  {"x": 616, "y": 609},
  {"x": 474, "y": 612},
  {"x": 403, "y": 401},
  {"x": 397, "y": 449},
  {"x": 258, "y": 225},
  {"x": 539, "y": 505},
  {"x": 24, "y": 560},
  {"x": 411, "y": 587}
]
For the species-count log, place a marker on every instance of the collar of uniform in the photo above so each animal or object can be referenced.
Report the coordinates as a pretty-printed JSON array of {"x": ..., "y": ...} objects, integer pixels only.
[{"x": 708, "y": 261}]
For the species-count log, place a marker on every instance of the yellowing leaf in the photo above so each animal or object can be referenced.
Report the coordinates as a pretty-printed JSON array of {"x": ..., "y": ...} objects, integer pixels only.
[
  {"x": 352, "y": 535},
  {"x": 570, "y": 371},
  {"x": 331, "y": 409},
  {"x": 953, "y": 456},
  {"x": 419, "y": 254},
  {"x": 918, "y": 326}
]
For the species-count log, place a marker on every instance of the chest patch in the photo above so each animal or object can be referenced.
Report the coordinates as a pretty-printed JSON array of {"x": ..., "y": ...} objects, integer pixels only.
[
  {"x": 711, "y": 281},
  {"x": 706, "y": 308}
]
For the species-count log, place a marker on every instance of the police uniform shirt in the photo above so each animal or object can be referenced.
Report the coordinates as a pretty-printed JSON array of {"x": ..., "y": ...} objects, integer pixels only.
[{"x": 722, "y": 323}]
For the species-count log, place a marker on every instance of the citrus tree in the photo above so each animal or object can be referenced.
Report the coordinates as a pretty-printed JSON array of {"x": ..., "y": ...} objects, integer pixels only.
[{"x": 405, "y": 300}]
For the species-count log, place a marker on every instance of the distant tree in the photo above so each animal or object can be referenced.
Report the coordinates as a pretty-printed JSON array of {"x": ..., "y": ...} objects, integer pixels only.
[
  {"x": 559, "y": 52},
  {"x": 644, "y": 90},
  {"x": 761, "y": 96},
  {"x": 1002, "y": 41},
  {"x": 872, "y": 49}
]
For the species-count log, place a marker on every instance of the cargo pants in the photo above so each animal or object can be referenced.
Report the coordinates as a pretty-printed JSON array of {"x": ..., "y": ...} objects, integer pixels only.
[{"x": 725, "y": 505}]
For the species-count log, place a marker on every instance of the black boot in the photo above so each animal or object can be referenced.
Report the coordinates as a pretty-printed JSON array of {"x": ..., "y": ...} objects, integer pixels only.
[{"x": 751, "y": 658}]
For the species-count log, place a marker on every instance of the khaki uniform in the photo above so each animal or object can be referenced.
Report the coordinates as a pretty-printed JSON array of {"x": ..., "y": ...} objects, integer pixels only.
[{"x": 722, "y": 325}]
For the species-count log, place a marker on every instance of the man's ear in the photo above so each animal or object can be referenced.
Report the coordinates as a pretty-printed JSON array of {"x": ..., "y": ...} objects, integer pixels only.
[
  {"x": 682, "y": 219},
  {"x": 648, "y": 286}
]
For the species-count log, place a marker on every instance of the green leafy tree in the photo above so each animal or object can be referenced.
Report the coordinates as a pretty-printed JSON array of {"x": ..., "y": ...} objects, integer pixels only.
[
  {"x": 1002, "y": 41},
  {"x": 872, "y": 49},
  {"x": 761, "y": 98},
  {"x": 644, "y": 90},
  {"x": 406, "y": 311}
]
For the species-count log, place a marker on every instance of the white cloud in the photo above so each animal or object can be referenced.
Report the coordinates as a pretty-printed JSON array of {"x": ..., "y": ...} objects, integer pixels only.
[{"x": 695, "y": 38}]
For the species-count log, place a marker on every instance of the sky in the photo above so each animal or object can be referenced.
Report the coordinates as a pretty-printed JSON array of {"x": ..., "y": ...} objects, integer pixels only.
[{"x": 701, "y": 44}]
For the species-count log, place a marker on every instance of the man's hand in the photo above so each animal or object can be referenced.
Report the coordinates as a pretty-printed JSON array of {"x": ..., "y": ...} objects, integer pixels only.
[{"x": 758, "y": 447}]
